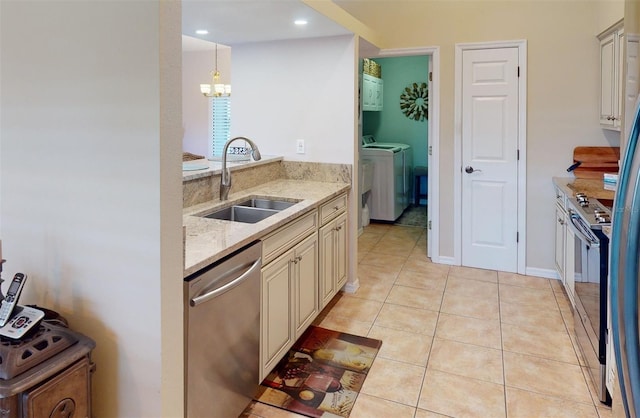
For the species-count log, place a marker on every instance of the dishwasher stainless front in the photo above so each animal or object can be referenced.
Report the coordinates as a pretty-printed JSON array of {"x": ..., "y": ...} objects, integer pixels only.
[{"x": 222, "y": 335}]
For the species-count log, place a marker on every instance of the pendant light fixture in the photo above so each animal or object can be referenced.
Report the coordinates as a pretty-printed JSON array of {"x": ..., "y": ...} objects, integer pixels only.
[{"x": 215, "y": 89}]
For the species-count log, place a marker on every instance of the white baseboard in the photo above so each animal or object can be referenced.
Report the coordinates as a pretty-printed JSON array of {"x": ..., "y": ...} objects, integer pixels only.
[
  {"x": 351, "y": 287},
  {"x": 445, "y": 260},
  {"x": 538, "y": 272}
]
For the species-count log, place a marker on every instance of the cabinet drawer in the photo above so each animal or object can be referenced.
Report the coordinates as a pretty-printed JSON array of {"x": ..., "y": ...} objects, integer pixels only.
[
  {"x": 281, "y": 240},
  {"x": 561, "y": 199},
  {"x": 333, "y": 208}
]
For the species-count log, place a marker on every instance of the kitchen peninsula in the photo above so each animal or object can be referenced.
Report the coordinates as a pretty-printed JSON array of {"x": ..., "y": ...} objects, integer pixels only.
[{"x": 209, "y": 240}]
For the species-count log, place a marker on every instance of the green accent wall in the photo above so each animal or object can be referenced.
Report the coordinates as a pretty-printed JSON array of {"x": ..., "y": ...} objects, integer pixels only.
[{"x": 391, "y": 125}]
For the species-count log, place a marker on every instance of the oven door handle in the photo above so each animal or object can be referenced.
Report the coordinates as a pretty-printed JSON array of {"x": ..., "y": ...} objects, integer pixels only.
[{"x": 577, "y": 227}]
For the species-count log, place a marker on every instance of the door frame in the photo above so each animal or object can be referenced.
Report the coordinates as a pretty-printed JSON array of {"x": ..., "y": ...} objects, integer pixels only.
[
  {"x": 522, "y": 146},
  {"x": 433, "y": 132}
]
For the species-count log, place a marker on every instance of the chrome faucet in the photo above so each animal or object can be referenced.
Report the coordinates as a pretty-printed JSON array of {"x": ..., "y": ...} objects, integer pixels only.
[{"x": 225, "y": 181}]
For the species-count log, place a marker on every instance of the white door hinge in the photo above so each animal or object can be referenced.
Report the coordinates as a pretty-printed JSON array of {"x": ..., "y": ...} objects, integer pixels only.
[
  {"x": 429, "y": 225},
  {"x": 430, "y": 76},
  {"x": 430, "y": 150}
]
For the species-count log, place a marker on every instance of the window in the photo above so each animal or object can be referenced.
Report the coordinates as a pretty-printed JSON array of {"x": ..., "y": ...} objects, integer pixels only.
[{"x": 220, "y": 123}]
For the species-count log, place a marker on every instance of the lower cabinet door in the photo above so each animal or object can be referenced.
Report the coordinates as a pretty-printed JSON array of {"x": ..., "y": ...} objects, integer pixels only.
[
  {"x": 276, "y": 312},
  {"x": 327, "y": 271},
  {"x": 341, "y": 251},
  {"x": 306, "y": 283},
  {"x": 560, "y": 242}
]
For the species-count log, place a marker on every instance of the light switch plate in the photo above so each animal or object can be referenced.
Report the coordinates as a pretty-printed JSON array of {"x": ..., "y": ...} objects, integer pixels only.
[{"x": 300, "y": 146}]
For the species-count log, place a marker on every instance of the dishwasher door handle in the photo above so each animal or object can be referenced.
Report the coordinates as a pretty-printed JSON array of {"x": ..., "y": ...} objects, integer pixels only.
[{"x": 217, "y": 292}]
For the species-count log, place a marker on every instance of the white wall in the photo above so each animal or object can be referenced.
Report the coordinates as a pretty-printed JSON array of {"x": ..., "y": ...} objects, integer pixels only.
[
  {"x": 297, "y": 89},
  {"x": 91, "y": 186},
  {"x": 607, "y": 13},
  {"x": 301, "y": 89}
]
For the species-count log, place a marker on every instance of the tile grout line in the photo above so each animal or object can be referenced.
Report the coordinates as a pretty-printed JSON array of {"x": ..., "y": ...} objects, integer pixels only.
[
  {"x": 433, "y": 340},
  {"x": 504, "y": 368}
]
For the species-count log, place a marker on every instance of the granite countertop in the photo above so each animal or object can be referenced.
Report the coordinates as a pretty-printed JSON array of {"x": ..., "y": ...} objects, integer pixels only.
[
  {"x": 195, "y": 169},
  {"x": 591, "y": 187},
  {"x": 209, "y": 240}
]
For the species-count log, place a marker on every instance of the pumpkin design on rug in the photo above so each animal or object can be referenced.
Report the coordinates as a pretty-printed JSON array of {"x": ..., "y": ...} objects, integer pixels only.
[{"x": 321, "y": 375}]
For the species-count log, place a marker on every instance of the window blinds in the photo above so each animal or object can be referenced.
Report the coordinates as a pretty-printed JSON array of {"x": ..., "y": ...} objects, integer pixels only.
[{"x": 220, "y": 123}]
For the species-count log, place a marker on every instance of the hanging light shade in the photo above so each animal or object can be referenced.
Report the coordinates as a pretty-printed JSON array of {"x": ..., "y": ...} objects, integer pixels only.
[{"x": 215, "y": 89}]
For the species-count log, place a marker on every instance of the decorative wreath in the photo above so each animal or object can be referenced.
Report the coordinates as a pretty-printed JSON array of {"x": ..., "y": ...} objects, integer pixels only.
[{"x": 414, "y": 101}]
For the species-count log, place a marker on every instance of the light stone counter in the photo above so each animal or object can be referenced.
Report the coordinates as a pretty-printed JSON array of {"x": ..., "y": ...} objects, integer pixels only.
[
  {"x": 591, "y": 187},
  {"x": 209, "y": 240}
]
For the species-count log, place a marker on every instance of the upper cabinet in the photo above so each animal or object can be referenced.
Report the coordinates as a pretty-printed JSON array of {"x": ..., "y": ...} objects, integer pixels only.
[
  {"x": 611, "y": 76},
  {"x": 372, "y": 86}
]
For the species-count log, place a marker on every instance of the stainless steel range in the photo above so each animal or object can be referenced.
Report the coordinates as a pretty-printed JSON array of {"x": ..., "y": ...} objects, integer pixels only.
[
  {"x": 588, "y": 216},
  {"x": 591, "y": 211}
]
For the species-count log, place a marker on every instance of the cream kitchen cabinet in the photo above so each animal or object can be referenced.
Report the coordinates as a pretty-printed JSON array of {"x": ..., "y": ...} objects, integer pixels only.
[
  {"x": 372, "y": 93},
  {"x": 289, "y": 288},
  {"x": 611, "y": 76},
  {"x": 564, "y": 246},
  {"x": 333, "y": 248},
  {"x": 570, "y": 264},
  {"x": 561, "y": 228}
]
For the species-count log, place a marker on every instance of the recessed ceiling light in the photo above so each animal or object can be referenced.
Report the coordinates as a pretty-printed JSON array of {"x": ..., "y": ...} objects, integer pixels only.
[
  {"x": 300, "y": 22},
  {"x": 202, "y": 31}
]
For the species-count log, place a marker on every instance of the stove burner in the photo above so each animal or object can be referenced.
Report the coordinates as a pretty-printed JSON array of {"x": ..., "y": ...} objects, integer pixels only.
[{"x": 594, "y": 214}]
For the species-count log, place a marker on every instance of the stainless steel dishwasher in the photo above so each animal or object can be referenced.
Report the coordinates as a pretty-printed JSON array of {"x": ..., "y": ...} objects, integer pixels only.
[{"x": 222, "y": 335}]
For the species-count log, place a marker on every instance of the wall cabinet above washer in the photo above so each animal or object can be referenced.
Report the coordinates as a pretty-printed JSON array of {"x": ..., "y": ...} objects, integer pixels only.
[{"x": 372, "y": 93}]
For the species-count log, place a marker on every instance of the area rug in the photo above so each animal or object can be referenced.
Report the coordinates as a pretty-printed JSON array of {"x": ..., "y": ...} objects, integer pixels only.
[
  {"x": 321, "y": 375},
  {"x": 413, "y": 216}
]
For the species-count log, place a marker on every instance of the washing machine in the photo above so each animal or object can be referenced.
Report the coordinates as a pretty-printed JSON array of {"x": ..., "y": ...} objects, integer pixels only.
[
  {"x": 392, "y": 177},
  {"x": 370, "y": 141}
]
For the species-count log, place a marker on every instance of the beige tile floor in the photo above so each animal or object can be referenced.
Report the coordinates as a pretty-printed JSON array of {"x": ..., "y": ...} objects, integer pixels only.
[{"x": 457, "y": 341}]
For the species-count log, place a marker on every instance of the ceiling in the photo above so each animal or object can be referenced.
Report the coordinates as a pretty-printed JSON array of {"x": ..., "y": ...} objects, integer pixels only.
[{"x": 233, "y": 22}]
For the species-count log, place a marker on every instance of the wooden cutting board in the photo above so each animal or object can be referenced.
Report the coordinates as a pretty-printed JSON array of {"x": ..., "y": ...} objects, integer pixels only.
[{"x": 595, "y": 161}]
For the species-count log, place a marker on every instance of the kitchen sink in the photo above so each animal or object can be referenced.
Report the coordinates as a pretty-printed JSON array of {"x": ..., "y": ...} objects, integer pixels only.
[
  {"x": 238, "y": 213},
  {"x": 266, "y": 204},
  {"x": 250, "y": 210}
]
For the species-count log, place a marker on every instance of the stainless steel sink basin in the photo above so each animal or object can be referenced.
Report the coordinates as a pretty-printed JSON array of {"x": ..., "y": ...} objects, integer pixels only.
[
  {"x": 244, "y": 214},
  {"x": 266, "y": 204},
  {"x": 250, "y": 210}
]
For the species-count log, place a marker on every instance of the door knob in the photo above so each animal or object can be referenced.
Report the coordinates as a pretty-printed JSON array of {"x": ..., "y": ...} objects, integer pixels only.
[{"x": 470, "y": 169}]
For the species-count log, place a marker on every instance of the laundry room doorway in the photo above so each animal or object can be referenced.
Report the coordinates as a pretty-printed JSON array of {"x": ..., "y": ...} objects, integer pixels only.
[{"x": 407, "y": 113}]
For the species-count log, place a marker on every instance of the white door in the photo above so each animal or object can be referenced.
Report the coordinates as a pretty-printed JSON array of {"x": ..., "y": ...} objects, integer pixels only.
[{"x": 490, "y": 159}]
